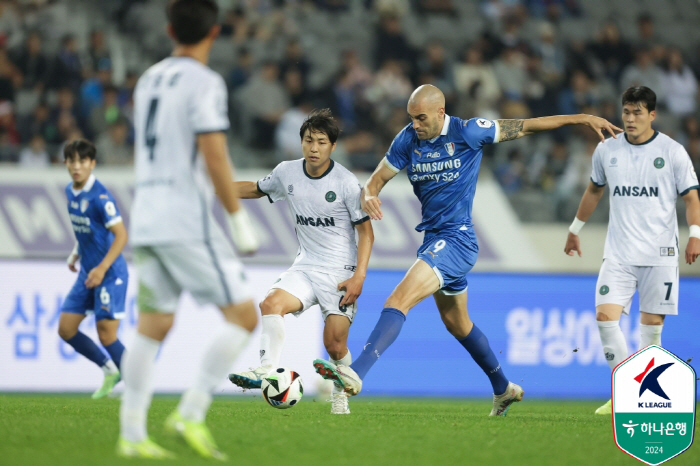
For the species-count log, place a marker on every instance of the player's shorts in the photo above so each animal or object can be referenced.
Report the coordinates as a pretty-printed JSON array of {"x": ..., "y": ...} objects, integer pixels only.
[
  {"x": 105, "y": 301},
  {"x": 313, "y": 287},
  {"x": 210, "y": 272},
  {"x": 657, "y": 285},
  {"x": 452, "y": 254}
]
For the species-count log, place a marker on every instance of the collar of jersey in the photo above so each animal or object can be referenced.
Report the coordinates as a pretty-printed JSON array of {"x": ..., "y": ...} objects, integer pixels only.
[
  {"x": 88, "y": 186},
  {"x": 656, "y": 133},
  {"x": 445, "y": 127},
  {"x": 328, "y": 170}
]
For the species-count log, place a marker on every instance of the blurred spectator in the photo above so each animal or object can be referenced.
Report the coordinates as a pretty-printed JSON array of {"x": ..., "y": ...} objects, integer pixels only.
[
  {"x": 38, "y": 123},
  {"x": 348, "y": 92},
  {"x": 476, "y": 84},
  {"x": 643, "y": 72},
  {"x": 10, "y": 24},
  {"x": 68, "y": 67},
  {"x": 510, "y": 69},
  {"x": 554, "y": 10},
  {"x": 126, "y": 90},
  {"x": 34, "y": 155},
  {"x": 496, "y": 10},
  {"x": 98, "y": 51},
  {"x": 106, "y": 114},
  {"x": 113, "y": 147},
  {"x": 443, "y": 7},
  {"x": 391, "y": 44},
  {"x": 435, "y": 68},
  {"x": 65, "y": 113},
  {"x": 690, "y": 129},
  {"x": 694, "y": 152},
  {"x": 679, "y": 85},
  {"x": 265, "y": 100},
  {"x": 511, "y": 174},
  {"x": 71, "y": 135},
  {"x": 548, "y": 47},
  {"x": 92, "y": 91},
  {"x": 8, "y": 150},
  {"x": 294, "y": 59},
  {"x": 242, "y": 70},
  {"x": 10, "y": 77},
  {"x": 287, "y": 139},
  {"x": 579, "y": 93},
  {"x": 32, "y": 64},
  {"x": 7, "y": 122},
  {"x": 612, "y": 51},
  {"x": 293, "y": 83},
  {"x": 646, "y": 35},
  {"x": 390, "y": 87}
]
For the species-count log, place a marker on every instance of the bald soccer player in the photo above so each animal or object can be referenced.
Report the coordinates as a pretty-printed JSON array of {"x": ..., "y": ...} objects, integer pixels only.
[{"x": 441, "y": 155}]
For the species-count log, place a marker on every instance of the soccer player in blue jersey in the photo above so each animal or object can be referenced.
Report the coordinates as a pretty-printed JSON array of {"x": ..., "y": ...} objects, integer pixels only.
[
  {"x": 102, "y": 280},
  {"x": 441, "y": 155}
]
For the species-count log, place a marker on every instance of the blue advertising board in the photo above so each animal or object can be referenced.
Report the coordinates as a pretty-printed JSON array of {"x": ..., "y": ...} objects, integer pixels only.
[{"x": 541, "y": 327}]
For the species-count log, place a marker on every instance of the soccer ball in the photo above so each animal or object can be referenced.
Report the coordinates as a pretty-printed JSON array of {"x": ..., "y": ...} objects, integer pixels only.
[{"x": 282, "y": 388}]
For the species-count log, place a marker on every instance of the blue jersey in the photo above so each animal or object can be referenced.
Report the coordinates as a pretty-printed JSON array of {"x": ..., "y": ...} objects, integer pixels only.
[
  {"x": 92, "y": 211},
  {"x": 443, "y": 171}
]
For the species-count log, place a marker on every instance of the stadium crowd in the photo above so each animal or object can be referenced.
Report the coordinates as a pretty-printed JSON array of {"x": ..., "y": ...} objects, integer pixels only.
[{"x": 362, "y": 58}]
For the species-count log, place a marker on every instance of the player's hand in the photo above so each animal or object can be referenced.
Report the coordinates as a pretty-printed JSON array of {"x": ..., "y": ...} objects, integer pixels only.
[
  {"x": 692, "y": 251},
  {"x": 353, "y": 289},
  {"x": 242, "y": 231},
  {"x": 73, "y": 258},
  {"x": 572, "y": 244},
  {"x": 370, "y": 204},
  {"x": 599, "y": 125},
  {"x": 95, "y": 277}
]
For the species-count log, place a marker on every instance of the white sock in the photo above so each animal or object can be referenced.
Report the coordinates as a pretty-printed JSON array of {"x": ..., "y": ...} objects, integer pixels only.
[
  {"x": 110, "y": 368},
  {"x": 345, "y": 360},
  {"x": 218, "y": 359},
  {"x": 650, "y": 335},
  {"x": 271, "y": 340},
  {"x": 613, "y": 340},
  {"x": 138, "y": 365}
]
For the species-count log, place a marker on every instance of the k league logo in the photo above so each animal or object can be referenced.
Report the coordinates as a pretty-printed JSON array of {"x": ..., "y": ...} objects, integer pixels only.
[{"x": 653, "y": 404}]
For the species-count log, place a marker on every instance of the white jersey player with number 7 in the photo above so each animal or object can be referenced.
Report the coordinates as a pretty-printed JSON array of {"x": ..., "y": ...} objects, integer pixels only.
[
  {"x": 646, "y": 171},
  {"x": 330, "y": 268},
  {"x": 180, "y": 117}
]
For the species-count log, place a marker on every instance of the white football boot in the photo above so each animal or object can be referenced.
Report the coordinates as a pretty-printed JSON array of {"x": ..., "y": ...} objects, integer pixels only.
[
  {"x": 250, "y": 379},
  {"x": 342, "y": 375},
  {"x": 339, "y": 401},
  {"x": 501, "y": 403}
]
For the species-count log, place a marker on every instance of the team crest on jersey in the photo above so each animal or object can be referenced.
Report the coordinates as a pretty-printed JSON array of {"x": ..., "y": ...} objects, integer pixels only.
[
  {"x": 604, "y": 289},
  {"x": 330, "y": 196},
  {"x": 613, "y": 161},
  {"x": 290, "y": 188},
  {"x": 659, "y": 162},
  {"x": 83, "y": 205},
  {"x": 450, "y": 148},
  {"x": 483, "y": 123}
]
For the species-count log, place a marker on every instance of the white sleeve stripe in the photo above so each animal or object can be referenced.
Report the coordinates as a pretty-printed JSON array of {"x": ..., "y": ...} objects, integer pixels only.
[
  {"x": 113, "y": 222},
  {"x": 497, "y": 136},
  {"x": 390, "y": 166}
]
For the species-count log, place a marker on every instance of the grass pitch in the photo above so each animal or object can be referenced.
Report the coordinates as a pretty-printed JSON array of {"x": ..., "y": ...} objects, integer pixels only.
[{"x": 75, "y": 430}]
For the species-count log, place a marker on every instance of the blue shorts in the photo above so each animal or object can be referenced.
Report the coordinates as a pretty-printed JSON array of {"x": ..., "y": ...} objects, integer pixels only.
[
  {"x": 452, "y": 254},
  {"x": 106, "y": 301}
]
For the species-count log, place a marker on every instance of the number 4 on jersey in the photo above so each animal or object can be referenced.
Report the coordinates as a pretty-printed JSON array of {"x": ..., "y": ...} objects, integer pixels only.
[{"x": 151, "y": 139}]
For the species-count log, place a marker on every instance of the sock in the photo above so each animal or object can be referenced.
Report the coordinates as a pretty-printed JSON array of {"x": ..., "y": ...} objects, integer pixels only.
[
  {"x": 650, "y": 335},
  {"x": 345, "y": 360},
  {"x": 385, "y": 332},
  {"x": 217, "y": 361},
  {"x": 110, "y": 368},
  {"x": 115, "y": 351},
  {"x": 478, "y": 346},
  {"x": 137, "y": 370},
  {"x": 271, "y": 340},
  {"x": 85, "y": 346},
  {"x": 613, "y": 340}
]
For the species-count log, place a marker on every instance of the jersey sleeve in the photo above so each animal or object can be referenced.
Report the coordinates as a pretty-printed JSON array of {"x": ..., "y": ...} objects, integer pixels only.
[
  {"x": 685, "y": 177},
  {"x": 272, "y": 186},
  {"x": 107, "y": 210},
  {"x": 598, "y": 173},
  {"x": 478, "y": 132},
  {"x": 351, "y": 198},
  {"x": 210, "y": 107},
  {"x": 397, "y": 157}
]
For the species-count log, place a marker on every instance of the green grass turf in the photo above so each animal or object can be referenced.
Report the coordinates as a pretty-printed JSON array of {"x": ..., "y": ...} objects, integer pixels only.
[{"x": 74, "y": 430}]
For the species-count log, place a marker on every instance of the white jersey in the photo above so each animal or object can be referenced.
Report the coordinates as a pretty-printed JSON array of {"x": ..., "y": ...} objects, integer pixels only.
[
  {"x": 325, "y": 210},
  {"x": 175, "y": 100},
  {"x": 645, "y": 181}
]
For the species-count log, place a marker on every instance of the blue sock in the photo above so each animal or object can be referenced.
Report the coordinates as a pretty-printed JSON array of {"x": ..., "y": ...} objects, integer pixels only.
[
  {"x": 478, "y": 346},
  {"x": 385, "y": 332},
  {"x": 85, "y": 346},
  {"x": 115, "y": 350}
]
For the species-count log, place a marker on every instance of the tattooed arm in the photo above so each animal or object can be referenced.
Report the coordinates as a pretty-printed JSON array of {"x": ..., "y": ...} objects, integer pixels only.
[{"x": 514, "y": 129}]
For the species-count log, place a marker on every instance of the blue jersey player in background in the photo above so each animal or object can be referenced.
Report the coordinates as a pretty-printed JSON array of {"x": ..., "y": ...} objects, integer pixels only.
[
  {"x": 441, "y": 155},
  {"x": 103, "y": 277}
]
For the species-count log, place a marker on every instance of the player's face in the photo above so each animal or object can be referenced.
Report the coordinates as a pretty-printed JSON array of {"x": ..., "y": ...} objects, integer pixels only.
[
  {"x": 79, "y": 169},
  {"x": 317, "y": 149},
  {"x": 426, "y": 120},
  {"x": 637, "y": 120}
]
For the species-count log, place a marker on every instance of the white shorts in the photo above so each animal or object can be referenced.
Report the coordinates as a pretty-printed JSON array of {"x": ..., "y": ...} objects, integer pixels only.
[
  {"x": 657, "y": 285},
  {"x": 211, "y": 272},
  {"x": 312, "y": 287}
]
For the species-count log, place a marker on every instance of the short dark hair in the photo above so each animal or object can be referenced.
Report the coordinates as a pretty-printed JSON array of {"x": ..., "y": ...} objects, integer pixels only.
[
  {"x": 81, "y": 148},
  {"x": 192, "y": 20},
  {"x": 640, "y": 95},
  {"x": 321, "y": 121}
]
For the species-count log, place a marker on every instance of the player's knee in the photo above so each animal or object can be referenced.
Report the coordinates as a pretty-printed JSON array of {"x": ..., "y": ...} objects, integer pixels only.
[
  {"x": 603, "y": 317},
  {"x": 336, "y": 349},
  {"x": 66, "y": 332},
  {"x": 106, "y": 336},
  {"x": 271, "y": 306}
]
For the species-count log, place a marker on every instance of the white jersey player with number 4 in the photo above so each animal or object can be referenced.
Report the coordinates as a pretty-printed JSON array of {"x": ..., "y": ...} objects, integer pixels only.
[
  {"x": 330, "y": 267},
  {"x": 646, "y": 171},
  {"x": 180, "y": 118}
]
